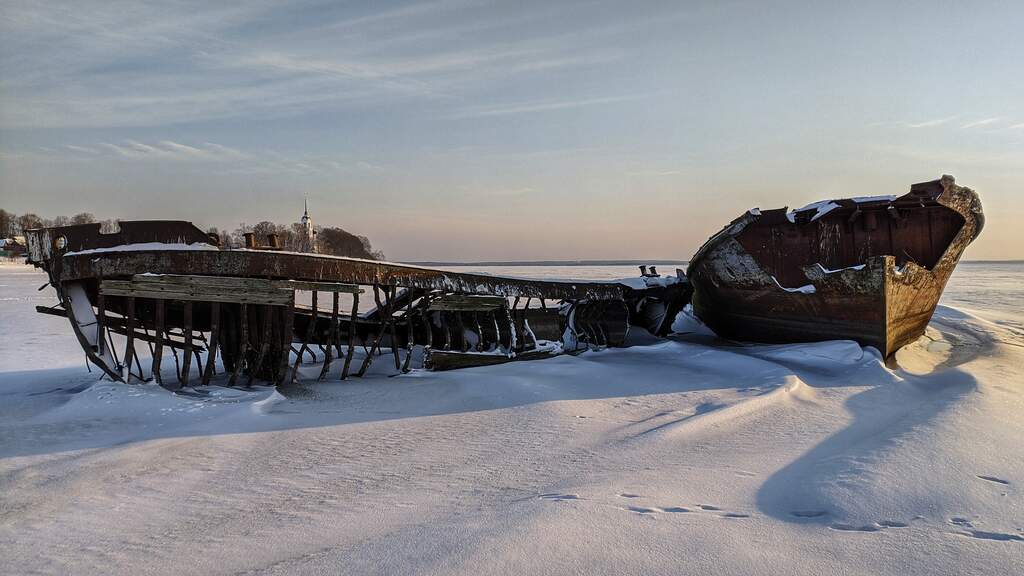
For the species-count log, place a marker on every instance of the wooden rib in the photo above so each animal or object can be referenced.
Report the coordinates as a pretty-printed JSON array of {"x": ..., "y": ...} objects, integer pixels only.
[
  {"x": 264, "y": 314},
  {"x": 158, "y": 351},
  {"x": 409, "y": 340},
  {"x": 243, "y": 343},
  {"x": 129, "y": 347},
  {"x": 351, "y": 335},
  {"x": 187, "y": 360},
  {"x": 211, "y": 354},
  {"x": 287, "y": 334},
  {"x": 382, "y": 326},
  {"x": 310, "y": 328},
  {"x": 392, "y": 298},
  {"x": 332, "y": 338}
]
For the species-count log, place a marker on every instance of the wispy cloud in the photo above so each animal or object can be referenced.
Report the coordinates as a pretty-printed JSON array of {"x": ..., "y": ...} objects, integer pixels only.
[
  {"x": 983, "y": 122},
  {"x": 503, "y": 110},
  {"x": 930, "y": 123},
  {"x": 150, "y": 64},
  {"x": 642, "y": 173}
]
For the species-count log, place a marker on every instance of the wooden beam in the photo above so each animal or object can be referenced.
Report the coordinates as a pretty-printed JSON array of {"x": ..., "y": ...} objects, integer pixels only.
[
  {"x": 468, "y": 303},
  {"x": 335, "y": 287}
]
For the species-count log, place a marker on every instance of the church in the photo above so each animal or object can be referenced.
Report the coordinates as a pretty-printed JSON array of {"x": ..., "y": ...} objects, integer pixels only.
[{"x": 307, "y": 240}]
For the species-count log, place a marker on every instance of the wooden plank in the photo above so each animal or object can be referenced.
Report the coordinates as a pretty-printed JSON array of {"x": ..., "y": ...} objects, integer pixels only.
[
  {"x": 440, "y": 360},
  {"x": 129, "y": 347},
  {"x": 468, "y": 303},
  {"x": 266, "y": 297},
  {"x": 335, "y": 287}
]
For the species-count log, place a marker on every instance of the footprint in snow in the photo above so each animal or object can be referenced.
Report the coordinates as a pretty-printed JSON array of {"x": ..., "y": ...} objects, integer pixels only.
[
  {"x": 559, "y": 497},
  {"x": 628, "y": 495},
  {"x": 994, "y": 479}
]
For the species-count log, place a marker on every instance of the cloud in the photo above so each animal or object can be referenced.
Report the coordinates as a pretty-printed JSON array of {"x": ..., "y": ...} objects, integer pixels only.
[
  {"x": 983, "y": 122},
  {"x": 503, "y": 110},
  {"x": 654, "y": 173},
  {"x": 930, "y": 123},
  {"x": 85, "y": 64}
]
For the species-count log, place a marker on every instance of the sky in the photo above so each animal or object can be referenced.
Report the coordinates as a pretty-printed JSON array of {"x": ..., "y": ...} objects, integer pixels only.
[{"x": 467, "y": 130}]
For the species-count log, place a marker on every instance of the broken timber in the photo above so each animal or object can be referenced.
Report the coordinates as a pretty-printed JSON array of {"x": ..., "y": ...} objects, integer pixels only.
[{"x": 243, "y": 307}]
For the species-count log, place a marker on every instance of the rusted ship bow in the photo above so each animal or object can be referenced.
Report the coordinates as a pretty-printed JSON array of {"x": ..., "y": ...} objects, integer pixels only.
[
  {"x": 869, "y": 269},
  {"x": 167, "y": 285}
]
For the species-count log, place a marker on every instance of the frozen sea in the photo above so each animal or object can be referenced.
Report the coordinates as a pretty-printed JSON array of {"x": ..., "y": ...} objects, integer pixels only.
[{"x": 674, "y": 456}]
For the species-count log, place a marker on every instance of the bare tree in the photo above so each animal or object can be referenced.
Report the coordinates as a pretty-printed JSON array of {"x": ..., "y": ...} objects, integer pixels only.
[
  {"x": 6, "y": 223},
  {"x": 83, "y": 218}
]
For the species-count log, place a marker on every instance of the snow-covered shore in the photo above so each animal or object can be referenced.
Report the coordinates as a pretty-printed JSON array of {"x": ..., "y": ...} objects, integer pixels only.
[{"x": 671, "y": 457}]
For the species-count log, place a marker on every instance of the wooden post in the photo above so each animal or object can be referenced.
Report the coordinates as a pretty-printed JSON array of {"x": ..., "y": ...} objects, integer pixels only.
[
  {"x": 479, "y": 332},
  {"x": 332, "y": 338},
  {"x": 243, "y": 344},
  {"x": 409, "y": 340},
  {"x": 351, "y": 336},
  {"x": 187, "y": 360},
  {"x": 310, "y": 328},
  {"x": 158, "y": 351},
  {"x": 211, "y": 354},
  {"x": 100, "y": 321},
  {"x": 129, "y": 347},
  {"x": 392, "y": 299},
  {"x": 385, "y": 310},
  {"x": 287, "y": 334},
  {"x": 264, "y": 314},
  {"x": 461, "y": 325}
]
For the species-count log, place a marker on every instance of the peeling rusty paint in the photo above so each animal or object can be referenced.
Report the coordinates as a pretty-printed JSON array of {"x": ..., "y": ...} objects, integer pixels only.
[{"x": 889, "y": 261}]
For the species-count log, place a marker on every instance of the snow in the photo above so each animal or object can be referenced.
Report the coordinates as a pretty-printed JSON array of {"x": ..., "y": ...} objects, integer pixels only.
[
  {"x": 141, "y": 246},
  {"x": 868, "y": 199},
  {"x": 687, "y": 455},
  {"x": 821, "y": 208},
  {"x": 806, "y": 289},
  {"x": 830, "y": 271}
]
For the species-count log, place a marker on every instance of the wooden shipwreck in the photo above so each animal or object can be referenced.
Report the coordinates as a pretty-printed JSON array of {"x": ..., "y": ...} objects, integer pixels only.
[
  {"x": 166, "y": 284},
  {"x": 867, "y": 269}
]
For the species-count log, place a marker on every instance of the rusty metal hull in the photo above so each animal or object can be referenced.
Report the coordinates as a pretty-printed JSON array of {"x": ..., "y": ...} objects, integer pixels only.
[{"x": 870, "y": 270}]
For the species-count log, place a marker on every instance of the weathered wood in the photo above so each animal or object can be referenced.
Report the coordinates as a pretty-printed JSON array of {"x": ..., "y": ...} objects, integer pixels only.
[
  {"x": 176, "y": 291},
  {"x": 334, "y": 287},
  {"x": 100, "y": 318},
  {"x": 287, "y": 335},
  {"x": 264, "y": 315},
  {"x": 467, "y": 303},
  {"x": 351, "y": 336},
  {"x": 332, "y": 337},
  {"x": 310, "y": 328},
  {"x": 408, "y": 333},
  {"x": 394, "y": 328},
  {"x": 211, "y": 355},
  {"x": 440, "y": 360},
  {"x": 158, "y": 352},
  {"x": 129, "y": 347},
  {"x": 243, "y": 343},
  {"x": 382, "y": 327},
  {"x": 187, "y": 360}
]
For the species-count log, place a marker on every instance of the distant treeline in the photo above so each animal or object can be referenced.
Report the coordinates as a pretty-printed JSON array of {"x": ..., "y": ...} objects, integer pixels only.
[{"x": 330, "y": 240}]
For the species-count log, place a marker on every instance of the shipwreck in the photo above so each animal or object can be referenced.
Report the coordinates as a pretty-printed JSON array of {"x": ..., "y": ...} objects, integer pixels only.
[
  {"x": 167, "y": 284},
  {"x": 869, "y": 269}
]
